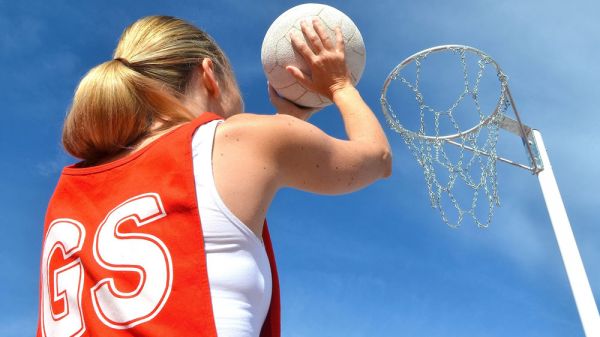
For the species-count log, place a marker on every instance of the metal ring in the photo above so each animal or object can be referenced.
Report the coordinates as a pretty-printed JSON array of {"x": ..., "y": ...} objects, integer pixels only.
[{"x": 396, "y": 70}]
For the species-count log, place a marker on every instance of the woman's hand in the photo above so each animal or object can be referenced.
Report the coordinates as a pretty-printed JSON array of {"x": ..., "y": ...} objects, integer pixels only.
[
  {"x": 288, "y": 152},
  {"x": 285, "y": 107},
  {"x": 325, "y": 58}
]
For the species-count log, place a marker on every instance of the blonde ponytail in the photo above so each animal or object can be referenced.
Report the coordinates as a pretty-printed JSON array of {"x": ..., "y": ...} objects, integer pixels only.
[{"x": 117, "y": 102}]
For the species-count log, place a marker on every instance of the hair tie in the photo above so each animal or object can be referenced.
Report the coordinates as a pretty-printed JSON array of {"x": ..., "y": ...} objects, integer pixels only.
[{"x": 123, "y": 61}]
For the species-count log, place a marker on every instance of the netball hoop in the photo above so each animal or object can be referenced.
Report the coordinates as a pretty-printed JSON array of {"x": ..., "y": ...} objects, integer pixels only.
[{"x": 454, "y": 140}]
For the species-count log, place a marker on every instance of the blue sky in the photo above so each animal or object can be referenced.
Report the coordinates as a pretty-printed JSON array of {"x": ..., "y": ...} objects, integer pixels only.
[{"x": 378, "y": 262}]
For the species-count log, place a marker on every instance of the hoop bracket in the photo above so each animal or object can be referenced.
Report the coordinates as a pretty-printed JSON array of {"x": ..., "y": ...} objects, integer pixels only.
[{"x": 526, "y": 133}]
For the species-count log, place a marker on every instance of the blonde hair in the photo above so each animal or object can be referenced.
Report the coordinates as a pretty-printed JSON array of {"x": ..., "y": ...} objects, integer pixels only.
[{"x": 117, "y": 102}]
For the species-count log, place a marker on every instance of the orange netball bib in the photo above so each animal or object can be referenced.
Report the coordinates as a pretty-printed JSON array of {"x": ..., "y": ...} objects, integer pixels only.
[{"x": 123, "y": 251}]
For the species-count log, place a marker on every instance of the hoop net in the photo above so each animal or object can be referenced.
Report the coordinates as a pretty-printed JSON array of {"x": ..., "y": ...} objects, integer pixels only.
[{"x": 450, "y": 152}]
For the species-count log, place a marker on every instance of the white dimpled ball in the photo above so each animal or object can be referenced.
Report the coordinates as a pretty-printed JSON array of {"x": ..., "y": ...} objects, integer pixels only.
[{"x": 277, "y": 52}]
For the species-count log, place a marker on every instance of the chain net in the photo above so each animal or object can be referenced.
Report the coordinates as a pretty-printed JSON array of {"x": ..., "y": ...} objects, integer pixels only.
[{"x": 473, "y": 160}]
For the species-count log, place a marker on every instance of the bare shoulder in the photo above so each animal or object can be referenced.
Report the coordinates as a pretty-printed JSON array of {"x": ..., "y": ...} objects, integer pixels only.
[
  {"x": 255, "y": 123},
  {"x": 268, "y": 131},
  {"x": 299, "y": 154}
]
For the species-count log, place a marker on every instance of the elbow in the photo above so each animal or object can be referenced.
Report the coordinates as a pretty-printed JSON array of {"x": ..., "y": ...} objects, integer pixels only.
[
  {"x": 386, "y": 159},
  {"x": 380, "y": 160}
]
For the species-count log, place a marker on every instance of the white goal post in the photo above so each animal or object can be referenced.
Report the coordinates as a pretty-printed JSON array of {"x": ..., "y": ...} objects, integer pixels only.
[
  {"x": 580, "y": 285},
  {"x": 427, "y": 145}
]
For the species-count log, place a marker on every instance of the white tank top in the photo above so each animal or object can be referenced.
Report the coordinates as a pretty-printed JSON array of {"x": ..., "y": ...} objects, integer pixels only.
[{"x": 238, "y": 267}]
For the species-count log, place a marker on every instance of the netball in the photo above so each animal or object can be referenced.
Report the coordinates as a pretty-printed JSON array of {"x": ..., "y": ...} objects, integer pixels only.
[{"x": 277, "y": 51}]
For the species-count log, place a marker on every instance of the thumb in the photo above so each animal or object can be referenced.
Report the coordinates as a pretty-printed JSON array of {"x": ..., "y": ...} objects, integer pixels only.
[{"x": 301, "y": 77}]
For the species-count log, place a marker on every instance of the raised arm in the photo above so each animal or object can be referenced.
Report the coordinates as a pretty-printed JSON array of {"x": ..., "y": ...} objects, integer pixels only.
[
  {"x": 366, "y": 156},
  {"x": 301, "y": 155}
]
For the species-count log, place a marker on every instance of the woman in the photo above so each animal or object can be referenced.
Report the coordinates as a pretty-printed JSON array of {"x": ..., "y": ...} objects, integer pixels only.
[{"x": 160, "y": 229}]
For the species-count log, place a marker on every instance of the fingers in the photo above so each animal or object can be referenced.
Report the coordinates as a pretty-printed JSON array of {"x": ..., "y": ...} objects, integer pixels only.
[
  {"x": 323, "y": 36},
  {"x": 284, "y": 106},
  {"x": 311, "y": 111},
  {"x": 314, "y": 39},
  {"x": 273, "y": 96},
  {"x": 339, "y": 39},
  {"x": 301, "y": 47},
  {"x": 278, "y": 102},
  {"x": 300, "y": 77}
]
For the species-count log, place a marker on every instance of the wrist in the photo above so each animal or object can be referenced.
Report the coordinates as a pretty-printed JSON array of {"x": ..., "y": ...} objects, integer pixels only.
[{"x": 344, "y": 93}]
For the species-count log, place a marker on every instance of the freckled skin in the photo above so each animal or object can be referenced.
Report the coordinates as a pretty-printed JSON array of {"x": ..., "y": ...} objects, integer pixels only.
[
  {"x": 265, "y": 153},
  {"x": 260, "y": 154}
]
